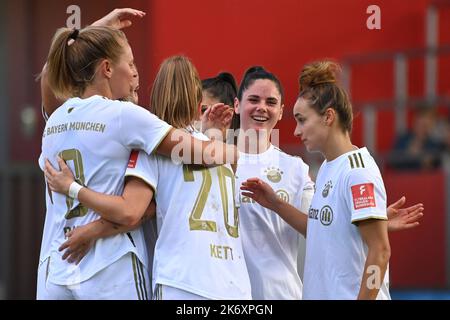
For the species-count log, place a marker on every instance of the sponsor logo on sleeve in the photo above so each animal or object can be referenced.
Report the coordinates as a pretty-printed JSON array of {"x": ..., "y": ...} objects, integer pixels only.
[
  {"x": 363, "y": 196},
  {"x": 133, "y": 159}
]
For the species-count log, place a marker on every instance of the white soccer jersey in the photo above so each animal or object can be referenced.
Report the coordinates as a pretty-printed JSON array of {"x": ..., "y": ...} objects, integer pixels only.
[
  {"x": 348, "y": 189},
  {"x": 271, "y": 245},
  {"x": 95, "y": 136},
  {"x": 199, "y": 246}
]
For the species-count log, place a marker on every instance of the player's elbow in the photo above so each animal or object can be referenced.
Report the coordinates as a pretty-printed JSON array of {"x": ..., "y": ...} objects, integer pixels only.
[
  {"x": 382, "y": 251},
  {"x": 131, "y": 218},
  {"x": 385, "y": 253}
]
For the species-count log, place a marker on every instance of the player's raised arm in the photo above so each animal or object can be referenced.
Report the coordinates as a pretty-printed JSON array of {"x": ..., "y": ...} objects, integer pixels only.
[
  {"x": 374, "y": 234},
  {"x": 182, "y": 147}
]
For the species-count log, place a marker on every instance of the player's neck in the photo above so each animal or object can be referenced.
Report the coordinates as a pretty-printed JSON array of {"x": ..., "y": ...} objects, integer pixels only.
[
  {"x": 253, "y": 143},
  {"x": 337, "y": 145},
  {"x": 97, "y": 89}
]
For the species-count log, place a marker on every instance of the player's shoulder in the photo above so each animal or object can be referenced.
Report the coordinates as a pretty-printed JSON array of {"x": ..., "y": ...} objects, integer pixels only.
[
  {"x": 196, "y": 133},
  {"x": 359, "y": 159},
  {"x": 118, "y": 105},
  {"x": 94, "y": 103},
  {"x": 59, "y": 112},
  {"x": 290, "y": 160},
  {"x": 287, "y": 156},
  {"x": 359, "y": 164}
]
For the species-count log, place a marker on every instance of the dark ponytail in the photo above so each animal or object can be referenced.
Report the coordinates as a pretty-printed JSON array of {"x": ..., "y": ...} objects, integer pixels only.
[{"x": 222, "y": 88}]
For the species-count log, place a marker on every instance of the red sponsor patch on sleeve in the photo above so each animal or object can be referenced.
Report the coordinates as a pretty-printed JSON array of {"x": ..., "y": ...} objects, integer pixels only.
[
  {"x": 133, "y": 159},
  {"x": 363, "y": 196}
]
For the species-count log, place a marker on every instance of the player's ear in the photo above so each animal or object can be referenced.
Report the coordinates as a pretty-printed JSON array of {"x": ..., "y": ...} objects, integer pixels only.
[
  {"x": 329, "y": 116},
  {"x": 236, "y": 105},
  {"x": 105, "y": 68},
  {"x": 281, "y": 112}
]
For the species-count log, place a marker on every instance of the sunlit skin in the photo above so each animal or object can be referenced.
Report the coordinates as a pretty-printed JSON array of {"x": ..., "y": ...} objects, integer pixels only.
[
  {"x": 310, "y": 126},
  {"x": 123, "y": 78},
  {"x": 260, "y": 109},
  {"x": 323, "y": 133},
  {"x": 114, "y": 79}
]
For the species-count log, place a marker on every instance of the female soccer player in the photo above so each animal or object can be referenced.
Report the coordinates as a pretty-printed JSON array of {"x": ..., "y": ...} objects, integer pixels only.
[
  {"x": 198, "y": 253},
  {"x": 266, "y": 236},
  {"x": 270, "y": 244},
  {"x": 222, "y": 89},
  {"x": 347, "y": 245},
  {"x": 95, "y": 133}
]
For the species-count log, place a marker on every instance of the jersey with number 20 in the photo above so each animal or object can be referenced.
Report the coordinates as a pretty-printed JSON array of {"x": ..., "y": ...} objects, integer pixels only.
[{"x": 199, "y": 246}]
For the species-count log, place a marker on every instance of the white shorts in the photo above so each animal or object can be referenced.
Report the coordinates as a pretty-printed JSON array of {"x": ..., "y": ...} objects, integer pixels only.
[
  {"x": 163, "y": 292},
  {"x": 125, "y": 279}
]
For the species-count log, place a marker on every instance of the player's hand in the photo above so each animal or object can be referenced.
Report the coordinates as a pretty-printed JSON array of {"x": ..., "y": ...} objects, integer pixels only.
[
  {"x": 261, "y": 192},
  {"x": 216, "y": 120},
  {"x": 403, "y": 218},
  {"x": 79, "y": 241},
  {"x": 58, "y": 181},
  {"x": 119, "y": 18}
]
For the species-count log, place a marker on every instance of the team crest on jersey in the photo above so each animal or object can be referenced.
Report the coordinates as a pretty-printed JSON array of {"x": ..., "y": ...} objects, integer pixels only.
[
  {"x": 326, "y": 190},
  {"x": 326, "y": 215},
  {"x": 283, "y": 195},
  {"x": 273, "y": 174}
]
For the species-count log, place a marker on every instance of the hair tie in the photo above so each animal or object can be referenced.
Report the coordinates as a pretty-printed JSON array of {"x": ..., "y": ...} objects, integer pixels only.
[{"x": 73, "y": 36}]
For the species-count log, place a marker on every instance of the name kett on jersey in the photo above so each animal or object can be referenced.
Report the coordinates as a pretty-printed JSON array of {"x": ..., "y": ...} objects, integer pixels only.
[{"x": 221, "y": 252}]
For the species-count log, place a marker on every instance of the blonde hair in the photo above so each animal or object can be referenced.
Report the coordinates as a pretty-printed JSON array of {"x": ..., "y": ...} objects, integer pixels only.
[
  {"x": 75, "y": 54},
  {"x": 177, "y": 92},
  {"x": 319, "y": 87}
]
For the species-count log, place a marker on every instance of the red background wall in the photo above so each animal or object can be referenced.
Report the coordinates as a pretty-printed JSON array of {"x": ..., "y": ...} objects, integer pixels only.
[
  {"x": 232, "y": 35},
  {"x": 418, "y": 255}
]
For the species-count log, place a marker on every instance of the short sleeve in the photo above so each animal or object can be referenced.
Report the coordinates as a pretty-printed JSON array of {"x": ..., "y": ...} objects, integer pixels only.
[
  {"x": 307, "y": 191},
  {"x": 140, "y": 129},
  {"x": 144, "y": 167},
  {"x": 307, "y": 196},
  {"x": 365, "y": 195}
]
